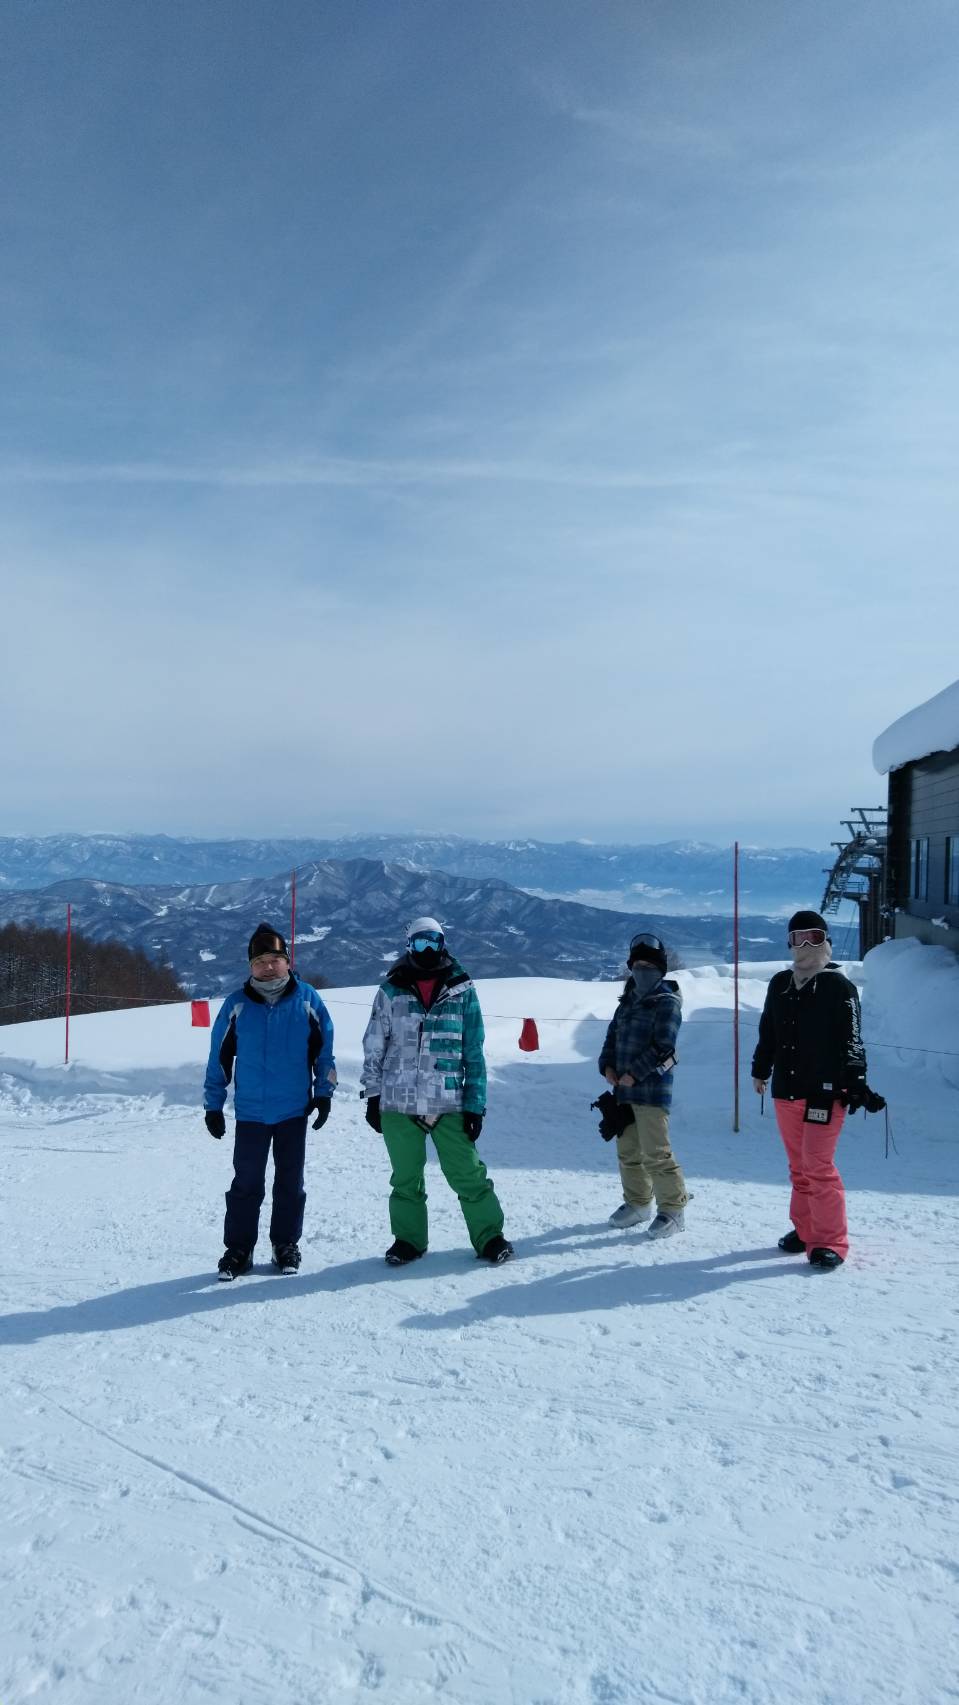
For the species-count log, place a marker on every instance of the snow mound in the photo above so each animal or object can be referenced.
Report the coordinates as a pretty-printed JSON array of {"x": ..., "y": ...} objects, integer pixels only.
[{"x": 911, "y": 1006}]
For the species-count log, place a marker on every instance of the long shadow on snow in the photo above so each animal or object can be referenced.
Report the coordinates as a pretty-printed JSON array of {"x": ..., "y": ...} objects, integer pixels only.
[
  {"x": 202, "y": 1293},
  {"x": 600, "y": 1286},
  {"x": 628, "y": 1284}
]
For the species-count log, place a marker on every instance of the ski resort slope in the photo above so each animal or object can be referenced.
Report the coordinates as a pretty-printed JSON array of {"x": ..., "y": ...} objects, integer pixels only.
[{"x": 694, "y": 1472}]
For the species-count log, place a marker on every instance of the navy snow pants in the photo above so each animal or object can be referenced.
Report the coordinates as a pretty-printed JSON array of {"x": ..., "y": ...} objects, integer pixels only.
[{"x": 251, "y": 1150}]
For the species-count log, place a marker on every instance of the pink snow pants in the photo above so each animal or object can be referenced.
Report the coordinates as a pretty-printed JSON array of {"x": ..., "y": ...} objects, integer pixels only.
[{"x": 817, "y": 1207}]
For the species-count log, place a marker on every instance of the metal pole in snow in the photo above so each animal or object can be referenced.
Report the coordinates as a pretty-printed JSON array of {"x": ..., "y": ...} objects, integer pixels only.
[
  {"x": 66, "y": 1046},
  {"x": 293, "y": 922},
  {"x": 736, "y": 986}
]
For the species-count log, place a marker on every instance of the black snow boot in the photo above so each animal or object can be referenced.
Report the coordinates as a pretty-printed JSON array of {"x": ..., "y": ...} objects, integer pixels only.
[
  {"x": 496, "y": 1250},
  {"x": 286, "y": 1256},
  {"x": 401, "y": 1252},
  {"x": 824, "y": 1260},
  {"x": 792, "y": 1243},
  {"x": 233, "y": 1262}
]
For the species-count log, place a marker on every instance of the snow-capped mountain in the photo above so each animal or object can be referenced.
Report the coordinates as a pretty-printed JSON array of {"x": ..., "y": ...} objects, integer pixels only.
[
  {"x": 351, "y": 918},
  {"x": 671, "y": 878}
]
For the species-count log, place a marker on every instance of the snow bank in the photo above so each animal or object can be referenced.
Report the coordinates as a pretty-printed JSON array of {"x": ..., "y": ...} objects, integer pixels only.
[
  {"x": 157, "y": 1051},
  {"x": 931, "y": 727},
  {"x": 911, "y": 1006},
  {"x": 162, "y": 1038}
]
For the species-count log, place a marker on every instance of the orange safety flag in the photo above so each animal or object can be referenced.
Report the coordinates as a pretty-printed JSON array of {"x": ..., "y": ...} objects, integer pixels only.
[
  {"x": 201, "y": 1015},
  {"x": 529, "y": 1036}
]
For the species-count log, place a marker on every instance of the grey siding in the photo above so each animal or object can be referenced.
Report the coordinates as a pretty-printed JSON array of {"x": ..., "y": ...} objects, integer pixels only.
[{"x": 923, "y": 804}]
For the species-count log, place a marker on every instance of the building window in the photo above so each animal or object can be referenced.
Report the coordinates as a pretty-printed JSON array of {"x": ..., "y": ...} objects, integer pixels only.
[
  {"x": 919, "y": 869},
  {"x": 952, "y": 870}
]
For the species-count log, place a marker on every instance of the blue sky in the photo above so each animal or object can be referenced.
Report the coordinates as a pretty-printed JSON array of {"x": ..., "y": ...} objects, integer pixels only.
[{"x": 504, "y": 418}]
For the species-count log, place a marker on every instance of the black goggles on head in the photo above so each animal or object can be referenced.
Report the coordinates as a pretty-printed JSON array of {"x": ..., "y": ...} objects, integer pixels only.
[{"x": 651, "y": 941}]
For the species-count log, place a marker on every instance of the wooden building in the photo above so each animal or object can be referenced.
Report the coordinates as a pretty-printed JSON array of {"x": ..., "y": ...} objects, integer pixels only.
[{"x": 920, "y": 755}]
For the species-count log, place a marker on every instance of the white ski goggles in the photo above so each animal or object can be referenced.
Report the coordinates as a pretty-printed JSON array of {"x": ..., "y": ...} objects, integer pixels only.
[{"x": 806, "y": 937}]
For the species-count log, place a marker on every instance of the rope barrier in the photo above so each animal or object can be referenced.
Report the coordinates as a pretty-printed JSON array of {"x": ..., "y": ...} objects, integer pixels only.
[{"x": 332, "y": 999}]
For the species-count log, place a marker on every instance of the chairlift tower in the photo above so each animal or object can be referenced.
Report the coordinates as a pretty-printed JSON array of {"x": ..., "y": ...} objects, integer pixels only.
[{"x": 859, "y": 874}]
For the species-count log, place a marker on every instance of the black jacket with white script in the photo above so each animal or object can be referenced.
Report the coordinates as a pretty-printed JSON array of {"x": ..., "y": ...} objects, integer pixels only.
[{"x": 810, "y": 1038}]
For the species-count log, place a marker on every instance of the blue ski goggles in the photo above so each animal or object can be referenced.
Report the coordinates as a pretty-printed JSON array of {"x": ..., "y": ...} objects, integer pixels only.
[{"x": 422, "y": 943}]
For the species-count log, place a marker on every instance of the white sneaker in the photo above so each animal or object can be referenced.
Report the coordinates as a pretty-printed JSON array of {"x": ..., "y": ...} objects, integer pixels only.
[
  {"x": 667, "y": 1225},
  {"x": 631, "y": 1214}
]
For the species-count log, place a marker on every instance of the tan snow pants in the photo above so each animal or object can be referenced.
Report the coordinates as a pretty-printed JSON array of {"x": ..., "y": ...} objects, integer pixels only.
[{"x": 647, "y": 1165}]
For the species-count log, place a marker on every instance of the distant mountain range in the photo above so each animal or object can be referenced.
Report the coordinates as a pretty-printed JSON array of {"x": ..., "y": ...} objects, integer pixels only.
[
  {"x": 351, "y": 919},
  {"x": 674, "y": 878}
]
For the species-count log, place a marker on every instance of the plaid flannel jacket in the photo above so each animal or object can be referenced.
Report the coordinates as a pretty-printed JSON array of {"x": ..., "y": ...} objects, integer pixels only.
[{"x": 642, "y": 1034}]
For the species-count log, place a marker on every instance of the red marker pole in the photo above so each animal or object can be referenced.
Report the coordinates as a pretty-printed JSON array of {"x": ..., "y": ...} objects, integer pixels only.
[
  {"x": 293, "y": 922},
  {"x": 66, "y": 1048},
  {"x": 736, "y": 987}
]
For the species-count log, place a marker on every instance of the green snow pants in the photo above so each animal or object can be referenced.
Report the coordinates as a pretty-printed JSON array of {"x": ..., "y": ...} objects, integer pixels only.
[{"x": 462, "y": 1168}]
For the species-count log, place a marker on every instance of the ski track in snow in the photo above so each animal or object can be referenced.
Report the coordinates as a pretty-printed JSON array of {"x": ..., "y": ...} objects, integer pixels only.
[{"x": 693, "y": 1473}]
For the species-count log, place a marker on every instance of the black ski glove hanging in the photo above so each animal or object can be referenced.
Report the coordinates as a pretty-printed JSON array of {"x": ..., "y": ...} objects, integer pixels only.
[{"x": 615, "y": 1116}]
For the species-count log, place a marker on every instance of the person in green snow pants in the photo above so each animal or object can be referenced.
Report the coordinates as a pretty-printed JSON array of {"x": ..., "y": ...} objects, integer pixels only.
[
  {"x": 405, "y": 1140},
  {"x": 424, "y": 1074}
]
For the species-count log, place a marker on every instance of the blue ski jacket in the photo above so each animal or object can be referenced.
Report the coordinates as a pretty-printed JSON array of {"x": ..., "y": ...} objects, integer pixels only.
[{"x": 279, "y": 1056}]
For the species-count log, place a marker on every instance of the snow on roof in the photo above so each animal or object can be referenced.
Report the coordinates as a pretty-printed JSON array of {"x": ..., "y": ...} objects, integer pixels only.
[{"x": 931, "y": 727}]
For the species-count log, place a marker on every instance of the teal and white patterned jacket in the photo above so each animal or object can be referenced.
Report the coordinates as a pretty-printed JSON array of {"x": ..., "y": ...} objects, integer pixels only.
[{"x": 426, "y": 1063}]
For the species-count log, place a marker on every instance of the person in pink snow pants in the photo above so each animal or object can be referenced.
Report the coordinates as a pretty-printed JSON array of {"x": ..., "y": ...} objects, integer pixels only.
[{"x": 810, "y": 1042}]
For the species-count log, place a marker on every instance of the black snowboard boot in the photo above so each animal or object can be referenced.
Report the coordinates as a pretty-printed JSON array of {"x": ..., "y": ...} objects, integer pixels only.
[
  {"x": 401, "y": 1252},
  {"x": 233, "y": 1262},
  {"x": 496, "y": 1250},
  {"x": 286, "y": 1256},
  {"x": 824, "y": 1260},
  {"x": 792, "y": 1243}
]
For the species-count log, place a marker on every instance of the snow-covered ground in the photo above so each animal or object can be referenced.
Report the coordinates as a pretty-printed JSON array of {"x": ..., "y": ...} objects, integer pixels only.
[{"x": 609, "y": 1471}]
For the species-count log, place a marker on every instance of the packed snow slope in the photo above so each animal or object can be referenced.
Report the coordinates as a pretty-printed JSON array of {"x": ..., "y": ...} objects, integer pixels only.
[{"x": 610, "y": 1471}]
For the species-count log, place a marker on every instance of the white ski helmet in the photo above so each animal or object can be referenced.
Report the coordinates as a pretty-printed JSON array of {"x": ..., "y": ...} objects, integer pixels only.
[{"x": 425, "y": 926}]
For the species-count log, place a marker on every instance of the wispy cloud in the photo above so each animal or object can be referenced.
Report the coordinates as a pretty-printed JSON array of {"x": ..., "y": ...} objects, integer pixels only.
[
  {"x": 340, "y": 472},
  {"x": 659, "y": 136},
  {"x": 455, "y": 371}
]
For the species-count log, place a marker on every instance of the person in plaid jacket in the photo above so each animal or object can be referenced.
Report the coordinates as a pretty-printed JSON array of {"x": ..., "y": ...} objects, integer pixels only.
[{"x": 637, "y": 1061}]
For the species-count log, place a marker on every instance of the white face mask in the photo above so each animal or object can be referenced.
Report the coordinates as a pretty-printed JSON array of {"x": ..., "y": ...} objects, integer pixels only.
[
  {"x": 809, "y": 960},
  {"x": 811, "y": 953}
]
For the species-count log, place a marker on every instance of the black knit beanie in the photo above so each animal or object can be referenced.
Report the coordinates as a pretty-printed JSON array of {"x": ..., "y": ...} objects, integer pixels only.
[
  {"x": 808, "y": 920},
  {"x": 266, "y": 939}
]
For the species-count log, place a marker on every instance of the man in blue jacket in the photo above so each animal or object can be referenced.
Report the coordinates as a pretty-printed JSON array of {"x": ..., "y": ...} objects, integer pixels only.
[{"x": 275, "y": 1036}]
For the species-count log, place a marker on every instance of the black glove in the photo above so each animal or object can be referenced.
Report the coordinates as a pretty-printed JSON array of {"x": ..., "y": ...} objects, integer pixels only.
[
  {"x": 860, "y": 1095},
  {"x": 215, "y": 1123},
  {"x": 373, "y": 1113},
  {"x": 472, "y": 1125},
  {"x": 320, "y": 1105},
  {"x": 615, "y": 1116}
]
